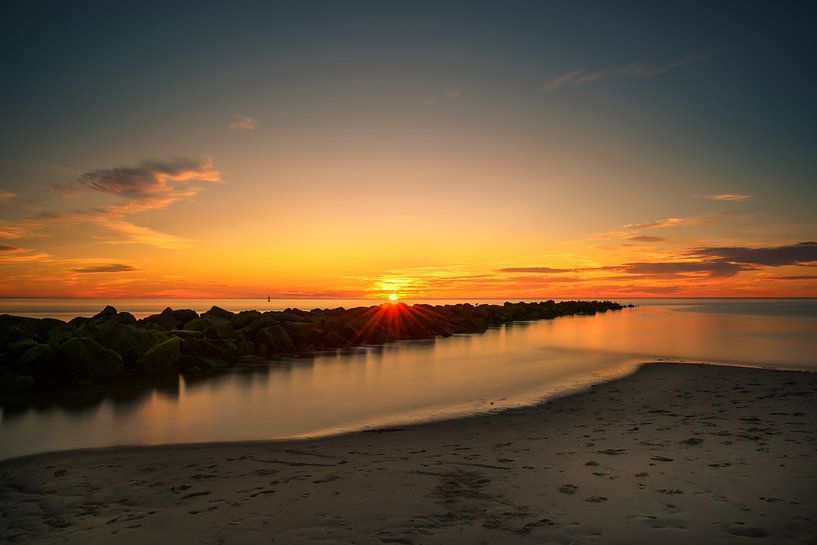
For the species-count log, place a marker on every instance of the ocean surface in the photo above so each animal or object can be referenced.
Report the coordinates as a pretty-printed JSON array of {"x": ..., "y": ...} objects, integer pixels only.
[{"x": 403, "y": 382}]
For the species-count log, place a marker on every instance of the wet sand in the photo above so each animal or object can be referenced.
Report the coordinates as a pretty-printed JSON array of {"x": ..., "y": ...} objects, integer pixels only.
[{"x": 672, "y": 454}]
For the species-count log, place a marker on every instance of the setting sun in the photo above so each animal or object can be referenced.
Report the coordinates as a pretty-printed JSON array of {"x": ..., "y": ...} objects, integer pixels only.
[{"x": 393, "y": 297}]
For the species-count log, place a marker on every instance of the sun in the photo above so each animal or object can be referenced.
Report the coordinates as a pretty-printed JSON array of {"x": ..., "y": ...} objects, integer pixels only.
[{"x": 393, "y": 297}]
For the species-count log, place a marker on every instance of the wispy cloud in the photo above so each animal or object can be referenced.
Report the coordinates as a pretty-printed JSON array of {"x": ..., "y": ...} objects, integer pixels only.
[
  {"x": 112, "y": 268},
  {"x": 646, "y": 238},
  {"x": 563, "y": 80},
  {"x": 735, "y": 197},
  {"x": 635, "y": 69},
  {"x": 11, "y": 254},
  {"x": 243, "y": 123},
  {"x": 630, "y": 231},
  {"x": 545, "y": 270},
  {"x": 138, "y": 234},
  {"x": 6, "y": 195}
]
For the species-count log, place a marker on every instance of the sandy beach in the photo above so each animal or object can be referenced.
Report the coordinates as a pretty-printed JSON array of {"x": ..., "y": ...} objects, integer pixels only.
[{"x": 672, "y": 454}]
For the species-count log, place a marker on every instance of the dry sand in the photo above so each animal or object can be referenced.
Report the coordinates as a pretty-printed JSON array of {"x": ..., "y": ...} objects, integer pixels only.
[{"x": 672, "y": 454}]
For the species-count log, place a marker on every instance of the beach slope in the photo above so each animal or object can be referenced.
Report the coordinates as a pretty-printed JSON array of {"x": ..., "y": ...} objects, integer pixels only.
[{"x": 672, "y": 454}]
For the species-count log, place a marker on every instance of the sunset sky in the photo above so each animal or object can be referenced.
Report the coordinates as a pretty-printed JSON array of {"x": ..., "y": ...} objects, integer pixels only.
[{"x": 441, "y": 149}]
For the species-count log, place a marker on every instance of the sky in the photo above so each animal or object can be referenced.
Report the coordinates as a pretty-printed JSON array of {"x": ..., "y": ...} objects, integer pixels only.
[{"x": 421, "y": 149}]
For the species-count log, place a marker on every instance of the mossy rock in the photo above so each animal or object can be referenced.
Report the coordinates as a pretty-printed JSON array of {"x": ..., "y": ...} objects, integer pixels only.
[
  {"x": 162, "y": 358},
  {"x": 128, "y": 341},
  {"x": 244, "y": 318},
  {"x": 18, "y": 347},
  {"x": 276, "y": 340},
  {"x": 196, "y": 324},
  {"x": 221, "y": 330},
  {"x": 36, "y": 362},
  {"x": 217, "y": 314},
  {"x": 11, "y": 383},
  {"x": 62, "y": 333},
  {"x": 86, "y": 359}
]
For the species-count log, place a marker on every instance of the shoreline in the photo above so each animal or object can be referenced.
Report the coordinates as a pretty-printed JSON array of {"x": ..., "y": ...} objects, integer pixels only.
[
  {"x": 437, "y": 482},
  {"x": 452, "y": 418}
]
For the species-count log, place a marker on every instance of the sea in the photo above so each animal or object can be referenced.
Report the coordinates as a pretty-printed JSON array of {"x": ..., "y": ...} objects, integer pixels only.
[{"x": 399, "y": 383}]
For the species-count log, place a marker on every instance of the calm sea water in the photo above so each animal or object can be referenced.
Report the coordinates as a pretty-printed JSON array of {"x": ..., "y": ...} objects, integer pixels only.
[{"x": 402, "y": 382}]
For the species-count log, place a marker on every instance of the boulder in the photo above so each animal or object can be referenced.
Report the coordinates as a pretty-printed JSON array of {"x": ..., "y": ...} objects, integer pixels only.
[
  {"x": 18, "y": 347},
  {"x": 125, "y": 318},
  {"x": 276, "y": 340},
  {"x": 184, "y": 315},
  {"x": 162, "y": 358},
  {"x": 220, "y": 330},
  {"x": 86, "y": 359},
  {"x": 244, "y": 318},
  {"x": 11, "y": 383},
  {"x": 128, "y": 341},
  {"x": 63, "y": 332},
  {"x": 217, "y": 314},
  {"x": 37, "y": 362},
  {"x": 205, "y": 349},
  {"x": 196, "y": 324},
  {"x": 106, "y": 314},
  {"x": 165, "y": 319},
  {"x": 13, "y": 334}
]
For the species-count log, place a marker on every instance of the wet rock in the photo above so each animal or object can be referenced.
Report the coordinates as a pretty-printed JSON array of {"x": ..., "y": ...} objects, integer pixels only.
[
  {"x": 86, "y": 359},
  {"x": 276, "y": 340},
  {"x": 11, "y": 383},
  {"x": 36, "y": 362},
  {"x": 128, "y": 341},
  {"x": 106, "y": 314},
  {"x": 244, "y": 318},
  {"x": 162, "y": 358},
  {"x": 196, "y": 324},
  {"x": 216, "y": 314}
]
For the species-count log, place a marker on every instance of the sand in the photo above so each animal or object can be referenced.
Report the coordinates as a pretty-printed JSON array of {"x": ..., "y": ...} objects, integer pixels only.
[{"x": 672, "y": 454}]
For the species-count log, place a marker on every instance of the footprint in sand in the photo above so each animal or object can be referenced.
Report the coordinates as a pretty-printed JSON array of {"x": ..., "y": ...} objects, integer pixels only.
[
  {"x": 612, "y": 451},
  {"x": 740, "y": 529},
  {"x": 568, "y": 489},
  {"x": 595, "y": 499}
]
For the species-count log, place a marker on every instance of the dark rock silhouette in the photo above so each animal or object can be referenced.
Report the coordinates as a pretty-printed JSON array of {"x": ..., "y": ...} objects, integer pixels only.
[{"x": 47, "y": 352}]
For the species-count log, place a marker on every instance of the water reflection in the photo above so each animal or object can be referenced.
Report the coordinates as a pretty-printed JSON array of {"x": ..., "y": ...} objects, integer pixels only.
[{"x": 508, "y": 366}]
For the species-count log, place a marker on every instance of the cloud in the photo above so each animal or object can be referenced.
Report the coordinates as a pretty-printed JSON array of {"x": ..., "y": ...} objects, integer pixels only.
[
  {"x": 630, "y": 231},
  {"x": 243, "y": 123},
  {"x": 798, "y": 277},
  {"x": 4, "y": 248},
  {"x": 646, "y": 238},
  {"x": 6, "y": 195},
  {"x": 453, "y": 93},
  {"x": 635, "y": 69},
  {"x": 734, "y": 197},
  {"x": 713, "y": 269},
  {"x": 147, "y": 185},
  {"x": 145, "y": 235},
  {"x": 546, "y": 270},
  {"x": 666, "y": 222},
  {"x": 561, "y": 81},
  {"x": 112, "y": 268},
  {"x": 775, "y": 256}
]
